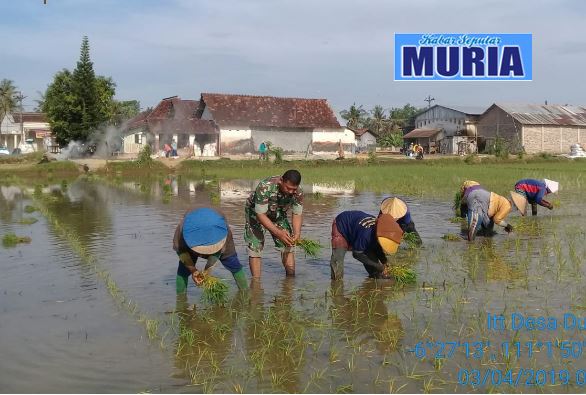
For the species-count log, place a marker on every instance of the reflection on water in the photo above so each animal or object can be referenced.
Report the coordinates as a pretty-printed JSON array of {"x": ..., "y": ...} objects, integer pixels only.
[{"x": 302, "y": 334}]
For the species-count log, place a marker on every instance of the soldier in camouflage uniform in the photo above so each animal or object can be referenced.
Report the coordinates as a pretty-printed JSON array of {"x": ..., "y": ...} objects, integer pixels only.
[{"x": 266, "y": 208}]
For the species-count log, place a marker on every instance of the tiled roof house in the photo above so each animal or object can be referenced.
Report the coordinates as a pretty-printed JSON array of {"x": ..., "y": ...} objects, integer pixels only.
[{"x": 294, "y": 124}]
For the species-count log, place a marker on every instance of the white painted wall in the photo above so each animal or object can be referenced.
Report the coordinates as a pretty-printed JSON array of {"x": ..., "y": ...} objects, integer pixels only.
[{"x": 129, "y": 145}]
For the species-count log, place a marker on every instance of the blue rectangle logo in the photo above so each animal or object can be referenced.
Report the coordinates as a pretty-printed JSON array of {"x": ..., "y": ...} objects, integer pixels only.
[{"x": 463, "y": 57}]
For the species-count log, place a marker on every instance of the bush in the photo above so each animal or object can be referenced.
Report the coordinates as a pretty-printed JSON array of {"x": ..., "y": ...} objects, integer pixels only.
[{"x": 144, "y": 157}]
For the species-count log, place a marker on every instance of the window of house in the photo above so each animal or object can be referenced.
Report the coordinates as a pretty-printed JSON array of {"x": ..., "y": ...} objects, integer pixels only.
[{"x": 138, "y": 138}]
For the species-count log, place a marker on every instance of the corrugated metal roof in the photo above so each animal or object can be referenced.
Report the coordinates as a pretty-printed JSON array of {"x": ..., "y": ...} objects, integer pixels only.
[
  {"x": 415, "y": 133},
  {"x": 468, "y": 110},
  {"x": 541, "y": 114}
]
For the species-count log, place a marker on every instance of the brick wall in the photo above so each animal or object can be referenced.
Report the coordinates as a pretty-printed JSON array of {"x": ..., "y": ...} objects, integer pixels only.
[
  {"x": 551, "y": 138},
  {"x": 497, "y": 123}
]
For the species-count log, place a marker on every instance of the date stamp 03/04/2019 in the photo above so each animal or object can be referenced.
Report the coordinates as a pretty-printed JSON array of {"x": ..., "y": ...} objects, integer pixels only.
[{"x": 565, "y": 350}]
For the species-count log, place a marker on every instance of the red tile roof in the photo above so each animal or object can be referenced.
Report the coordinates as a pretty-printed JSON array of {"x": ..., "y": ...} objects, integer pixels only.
[
  {"x": 183, "y": 125},
  {"x": 268, "y": 111},
  {"x": 30, "y": 117},
  {"x": 173, "y": 115}
]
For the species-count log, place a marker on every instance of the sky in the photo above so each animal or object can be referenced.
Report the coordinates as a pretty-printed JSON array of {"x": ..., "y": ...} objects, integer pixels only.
[{"x": 340, "y": 50}]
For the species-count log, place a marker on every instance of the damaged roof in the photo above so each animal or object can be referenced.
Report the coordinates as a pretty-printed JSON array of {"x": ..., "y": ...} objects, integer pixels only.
[
  {"x": 268, "y": 111},
  {"x": 173, "y": 114},
  {"x": 541, "y": 114}
]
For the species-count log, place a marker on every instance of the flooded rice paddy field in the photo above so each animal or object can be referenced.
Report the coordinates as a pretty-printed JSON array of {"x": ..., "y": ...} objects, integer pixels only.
[{"x": 90, "y": 306}]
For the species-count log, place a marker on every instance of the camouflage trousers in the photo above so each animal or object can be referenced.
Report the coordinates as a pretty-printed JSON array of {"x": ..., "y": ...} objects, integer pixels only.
[{"x": 254, "y": 233}]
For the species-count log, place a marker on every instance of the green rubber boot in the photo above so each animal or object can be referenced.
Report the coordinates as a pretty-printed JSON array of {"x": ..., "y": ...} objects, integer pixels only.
[
  {"x": 240, "y": 279},
  {"x": 181, "y": 284}
]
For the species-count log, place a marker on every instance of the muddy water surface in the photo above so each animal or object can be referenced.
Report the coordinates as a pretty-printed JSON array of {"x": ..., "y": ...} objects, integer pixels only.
[{"x": 107, "y": 319}]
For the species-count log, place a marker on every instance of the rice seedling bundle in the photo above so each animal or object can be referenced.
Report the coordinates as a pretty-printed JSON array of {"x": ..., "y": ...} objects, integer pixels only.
[
  {"x": 412, "y": 240},
  {"x": 10, "y": 240},
  {"x": 311, "y": 248},
  {"x": 451, "y": 237},
  {"x": 215, "y": 291},
  {"x": 403, "y": 275}
]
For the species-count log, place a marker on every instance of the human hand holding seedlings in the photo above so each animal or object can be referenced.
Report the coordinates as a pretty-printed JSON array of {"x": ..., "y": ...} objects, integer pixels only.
[
  {"x": 509, "y": 228},
  {"x": 285, "y": 237},
  {"x": 198, "y": 277}
]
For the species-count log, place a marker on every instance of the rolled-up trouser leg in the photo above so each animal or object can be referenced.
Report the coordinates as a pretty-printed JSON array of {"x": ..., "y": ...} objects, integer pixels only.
[
  {"x": 474, "y": 224},
  {"x": 337, "y": 263}
]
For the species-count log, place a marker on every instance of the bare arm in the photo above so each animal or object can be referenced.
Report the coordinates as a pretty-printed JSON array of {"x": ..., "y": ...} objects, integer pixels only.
[
  {"x": 279, "y": 233},
  {"x": 297, "y": 222}
]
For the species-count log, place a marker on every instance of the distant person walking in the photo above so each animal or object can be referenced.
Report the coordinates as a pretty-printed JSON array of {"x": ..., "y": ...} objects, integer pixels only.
[{"x": 174, "y": 148}]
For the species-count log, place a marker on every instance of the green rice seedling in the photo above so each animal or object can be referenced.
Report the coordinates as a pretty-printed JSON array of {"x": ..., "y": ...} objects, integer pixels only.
[
  {"x": 451, "y": 237},
  {"x": 412, "y": 240},
  {"x": 403, "y": 275},
  {"x": 29, "y": 209},
  {"x": 11, "y": 240},
  {"x": 457, "y": 202},
  {"x": 215, "y": 291},
  {"x": 310, "y": 247},
  {"x": 318, "y": 195},
  {"x": 152, "y": 327},
  {"x": 345, "y": 389},
  {"x": 528, "y": 226},
  {"x": 457, "y": 220},
  {"x": 28, "y": 221}
]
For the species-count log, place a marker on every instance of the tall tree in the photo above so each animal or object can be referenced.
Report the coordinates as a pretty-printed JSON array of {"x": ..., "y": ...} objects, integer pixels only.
[
  {"x": 84, "y": 85},
  {"x": 404, "y": 118},
  {"x": 8, "y": 101},
  {"x": 378, "y": 122},
  {"x": 355, "y": 116},
  {"x": 77, "y": 103}
]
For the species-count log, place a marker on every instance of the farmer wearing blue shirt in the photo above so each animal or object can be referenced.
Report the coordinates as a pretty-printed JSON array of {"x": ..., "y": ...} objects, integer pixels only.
[
  {"x": 400, "y": 211},
  {"x": 204, "y": 233},
  {"x": 368, "y": 237},
  {"x": 533, "y": 191}
]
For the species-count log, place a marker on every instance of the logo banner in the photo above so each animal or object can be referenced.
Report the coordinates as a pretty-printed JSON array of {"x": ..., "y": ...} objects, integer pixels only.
[{"x": 463, "y": 57}]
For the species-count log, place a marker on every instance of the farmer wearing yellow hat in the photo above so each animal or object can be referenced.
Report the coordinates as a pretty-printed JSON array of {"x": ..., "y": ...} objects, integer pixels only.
[
  {"x": 483, "y": 209},
  {"x": 400, "y": 211},
  {"x": 204, "y": 233},
  {"x": 368, "y": 237},
  {"x": 533, "y": 191}
]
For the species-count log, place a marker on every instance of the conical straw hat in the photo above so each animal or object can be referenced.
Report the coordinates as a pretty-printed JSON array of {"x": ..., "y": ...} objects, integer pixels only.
[
  {"x": 394, "y": 206},
  {"x": 520, "y": 201},
  {"x": 553, "y": 186}
]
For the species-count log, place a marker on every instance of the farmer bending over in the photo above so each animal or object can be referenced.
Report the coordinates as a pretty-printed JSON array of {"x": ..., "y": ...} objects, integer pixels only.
[
  {"x": 205, "y": 233},
  {"x": 483, "y": 209},
  {"x": 533, "y": 191},
  {"x": 266, "y": 208},
  {"x": 368, "y": 238},
  {"x": 399, "y": 210}
]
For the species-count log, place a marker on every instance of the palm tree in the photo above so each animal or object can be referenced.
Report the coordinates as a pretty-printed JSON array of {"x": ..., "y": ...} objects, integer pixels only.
[
  {"x": 354, "y": 116},
  {"x": 7, "y": 97},
  {"x": 379, "y": 120}
]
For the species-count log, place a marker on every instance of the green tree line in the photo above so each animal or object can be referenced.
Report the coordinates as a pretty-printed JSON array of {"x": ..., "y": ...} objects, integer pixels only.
[{"x": 388, "y": 125}]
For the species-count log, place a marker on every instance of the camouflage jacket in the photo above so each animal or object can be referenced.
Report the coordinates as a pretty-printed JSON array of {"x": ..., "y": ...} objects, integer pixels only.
[{"x": 268, "y": 199}]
